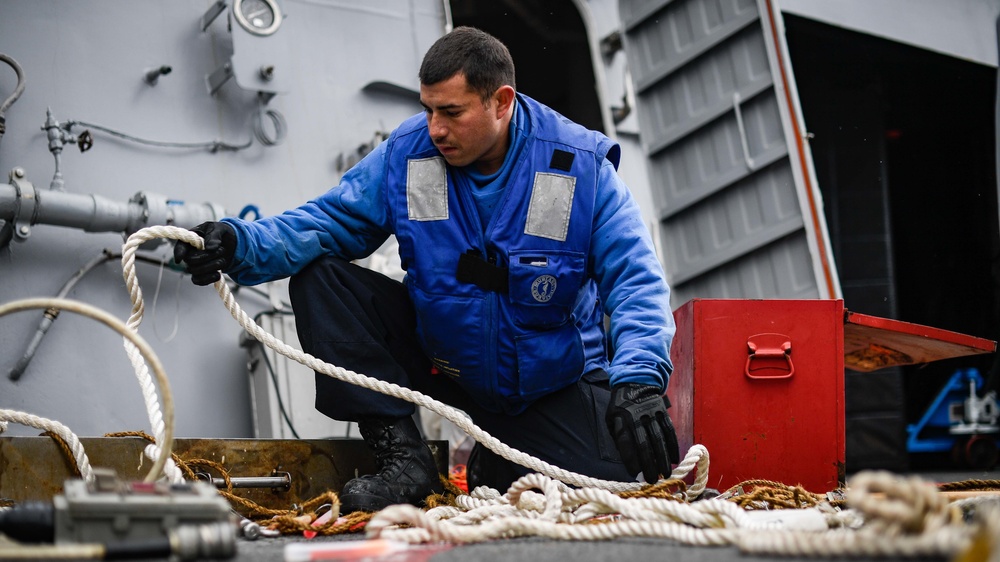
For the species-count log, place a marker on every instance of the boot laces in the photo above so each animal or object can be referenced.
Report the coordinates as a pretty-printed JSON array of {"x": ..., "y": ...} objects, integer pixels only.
[{"x": 390, "y": 455}]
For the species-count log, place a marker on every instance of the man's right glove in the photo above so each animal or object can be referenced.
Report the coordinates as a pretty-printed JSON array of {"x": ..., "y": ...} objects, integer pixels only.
[
  {"x": 638, "y": 421},
  {"x": 204, "y": 265}
]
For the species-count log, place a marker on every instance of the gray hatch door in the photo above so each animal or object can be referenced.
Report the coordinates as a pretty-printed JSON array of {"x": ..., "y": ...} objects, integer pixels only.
[{"x": 740, "y": 214}]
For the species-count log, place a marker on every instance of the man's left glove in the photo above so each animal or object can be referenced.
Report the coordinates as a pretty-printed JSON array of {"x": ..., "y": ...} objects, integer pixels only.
[
  {"x": 220, "y": 247},
  {"x": 638, "y": 421}
]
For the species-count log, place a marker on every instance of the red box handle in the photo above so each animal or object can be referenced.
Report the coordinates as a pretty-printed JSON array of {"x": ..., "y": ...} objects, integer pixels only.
[{"x": 767, "y": 354}]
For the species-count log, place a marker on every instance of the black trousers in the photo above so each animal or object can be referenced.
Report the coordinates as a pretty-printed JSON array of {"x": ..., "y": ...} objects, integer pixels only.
[{"x": 363, "y": 321}]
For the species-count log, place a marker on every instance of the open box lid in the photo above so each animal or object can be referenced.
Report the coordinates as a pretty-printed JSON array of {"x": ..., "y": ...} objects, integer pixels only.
[{"x": 872, "y": 343}]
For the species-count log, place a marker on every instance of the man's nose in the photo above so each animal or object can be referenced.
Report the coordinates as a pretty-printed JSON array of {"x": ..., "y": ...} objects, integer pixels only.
[{"x": 436, "y": 128}]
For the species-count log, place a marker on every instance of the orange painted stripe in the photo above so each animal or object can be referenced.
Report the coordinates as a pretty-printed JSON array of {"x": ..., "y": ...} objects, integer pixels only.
[{"x": 800, "y": 146}]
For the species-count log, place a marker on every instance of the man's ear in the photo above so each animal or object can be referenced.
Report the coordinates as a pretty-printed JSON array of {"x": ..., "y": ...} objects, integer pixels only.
[{"x": 504, "y": 97}]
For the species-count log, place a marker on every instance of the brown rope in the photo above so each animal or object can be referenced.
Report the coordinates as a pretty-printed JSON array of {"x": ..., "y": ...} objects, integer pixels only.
[
  {"x": 445, "y": 498},
  {"x": 251, "y": 508},
  {"x": 67, "y": 452},
  {"x": 188, "y": 473},
  {"x": 969, "y": 485},
  {"x": 140, "y": 433},
  {"x": 768, "y": 494},
  {"x": 349, "y": 523},
  {"x": 211, "y": 464},
  {"x": 664, "y": 489}
]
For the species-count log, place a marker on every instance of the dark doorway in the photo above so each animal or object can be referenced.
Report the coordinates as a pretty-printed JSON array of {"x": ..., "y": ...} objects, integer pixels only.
[
  {"x": 903, "y": 141},
  {"x": 551, "y": 52}
]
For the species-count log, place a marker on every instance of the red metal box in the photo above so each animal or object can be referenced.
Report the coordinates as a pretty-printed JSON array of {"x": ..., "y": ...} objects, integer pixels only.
[{"x": 760, "y": 383}]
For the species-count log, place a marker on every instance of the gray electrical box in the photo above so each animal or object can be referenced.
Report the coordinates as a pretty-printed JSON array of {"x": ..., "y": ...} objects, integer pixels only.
[{"x": 110, "y": 510}]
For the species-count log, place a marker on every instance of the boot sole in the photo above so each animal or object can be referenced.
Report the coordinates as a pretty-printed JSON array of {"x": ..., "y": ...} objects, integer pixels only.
[{"x": 362, "y": 502}]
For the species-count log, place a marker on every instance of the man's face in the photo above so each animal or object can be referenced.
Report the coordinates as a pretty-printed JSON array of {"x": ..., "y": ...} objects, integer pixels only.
[{"x": 464, "y": 128}]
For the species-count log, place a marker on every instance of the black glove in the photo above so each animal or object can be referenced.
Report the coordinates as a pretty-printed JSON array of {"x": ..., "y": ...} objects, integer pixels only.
[
  {"x": 204, "y": 265},
  {"x": 638, "y": 421}
]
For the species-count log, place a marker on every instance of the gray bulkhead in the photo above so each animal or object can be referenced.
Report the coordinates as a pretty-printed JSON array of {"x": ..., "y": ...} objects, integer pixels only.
[{"x": 342, "y": 74}]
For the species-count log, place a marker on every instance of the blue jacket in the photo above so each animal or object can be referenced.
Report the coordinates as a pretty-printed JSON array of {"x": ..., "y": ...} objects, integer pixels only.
[{"x": 565, "y": 246}]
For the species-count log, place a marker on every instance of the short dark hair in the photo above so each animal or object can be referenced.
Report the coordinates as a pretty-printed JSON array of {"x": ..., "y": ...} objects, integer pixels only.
[{"x": 483, "y": 59}]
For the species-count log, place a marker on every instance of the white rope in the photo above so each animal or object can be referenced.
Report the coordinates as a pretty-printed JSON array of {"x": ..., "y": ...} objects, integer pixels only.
[
  {"x": 901, "y": 518},
  {"x": 138, "y": 365},
  {"x": 916, "y": 522},
  {"x": 426, "y": 529},
  {"x": 170, "y": 468},
  {"x": 554, "y": 512},
  {"x": 390, "y": 389},
  {"x": 143, "y": 349},
  {"x": 79, "y": 455},
  {"x": 448, "y": 412}
]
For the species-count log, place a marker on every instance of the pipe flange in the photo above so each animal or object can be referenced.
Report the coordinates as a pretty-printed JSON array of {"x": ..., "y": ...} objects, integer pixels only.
[{"x": 26, "y": 205}]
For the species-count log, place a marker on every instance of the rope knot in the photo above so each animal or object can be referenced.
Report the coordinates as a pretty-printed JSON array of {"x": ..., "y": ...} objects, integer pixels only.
[{"x": 898, "y": 505}]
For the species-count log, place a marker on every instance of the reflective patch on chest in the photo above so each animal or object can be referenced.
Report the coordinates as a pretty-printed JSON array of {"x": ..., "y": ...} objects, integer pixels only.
[
  {"x": 550, "y": 206},
  {"x": 543, "y": 287},
  {"x": 426, "y": 189}
]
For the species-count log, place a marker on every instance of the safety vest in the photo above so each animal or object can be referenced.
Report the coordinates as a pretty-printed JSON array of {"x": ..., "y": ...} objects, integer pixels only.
[{"x": 511, "y": 315}]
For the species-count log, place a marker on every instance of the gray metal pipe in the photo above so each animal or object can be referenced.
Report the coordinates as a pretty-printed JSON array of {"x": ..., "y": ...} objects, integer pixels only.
[{"x": 22, "y": 205}]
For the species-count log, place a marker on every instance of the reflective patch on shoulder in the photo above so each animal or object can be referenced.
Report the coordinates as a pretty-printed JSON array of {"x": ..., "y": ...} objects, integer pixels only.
[
  {"x": 427, "y": 189},
  {"x": 550, "y": 206}
]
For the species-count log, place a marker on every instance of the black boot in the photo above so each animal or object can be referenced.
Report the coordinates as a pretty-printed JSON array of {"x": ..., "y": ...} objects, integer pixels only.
[{"x": 407, "y": 472}]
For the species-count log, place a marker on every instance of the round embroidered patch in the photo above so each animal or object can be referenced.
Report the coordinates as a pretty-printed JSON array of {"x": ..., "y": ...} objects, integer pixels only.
[{"x": 543, "y": 288}]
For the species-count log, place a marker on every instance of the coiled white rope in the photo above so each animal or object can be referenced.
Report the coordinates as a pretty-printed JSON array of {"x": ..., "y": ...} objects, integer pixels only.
[
  {"x": 893, "y": 517},
  {"x": 555, "y": 513},
  {"x": 142, "y": 350},
  {"x": 906, "y": 517},
  {"x": 448, "y": 412}
]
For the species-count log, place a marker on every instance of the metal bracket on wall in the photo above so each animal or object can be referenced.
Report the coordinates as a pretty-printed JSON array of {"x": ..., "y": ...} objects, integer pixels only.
[
  {"x": 213, "y": 12},
  {"x": 218, "y": 77}
]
